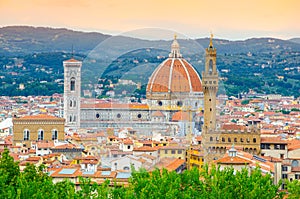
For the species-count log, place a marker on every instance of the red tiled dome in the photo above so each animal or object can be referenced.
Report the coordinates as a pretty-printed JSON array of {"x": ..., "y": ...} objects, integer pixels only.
[{"x": 175, "y": 74}]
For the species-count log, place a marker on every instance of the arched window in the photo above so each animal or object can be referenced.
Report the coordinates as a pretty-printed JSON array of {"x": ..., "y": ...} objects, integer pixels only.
[
  {"x": 72, "y": 84},
  {"x": 74, "y": 103},
  {"x": 74, "y": 118},
  {"x": 254, "y": 140},
  {"x": 54, "y": 134},
  {"x": 70, "y": 119},
  {"x": 210, "y": 66},
  {"x": 41, "y": 134},
  {"x": 211, "y": 139},
  {"x": 295, "y": 163},
  {"x": 26, "y": 134},
  {"x": 71, "y": 103}
]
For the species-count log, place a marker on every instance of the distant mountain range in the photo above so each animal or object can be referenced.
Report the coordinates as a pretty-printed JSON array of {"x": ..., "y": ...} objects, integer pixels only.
[{"x": 16, "y": 40}]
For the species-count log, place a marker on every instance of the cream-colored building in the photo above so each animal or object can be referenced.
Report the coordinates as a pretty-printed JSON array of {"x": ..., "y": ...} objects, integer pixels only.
[{"x": 34, "y": 128}]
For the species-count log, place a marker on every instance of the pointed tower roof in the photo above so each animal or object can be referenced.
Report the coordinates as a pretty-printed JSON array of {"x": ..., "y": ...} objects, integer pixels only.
[{"x": 210, "y": 41}]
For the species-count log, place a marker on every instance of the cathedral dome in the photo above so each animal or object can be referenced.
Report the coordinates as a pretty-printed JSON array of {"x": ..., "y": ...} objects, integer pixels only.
[{"x": 174, "y": 75}]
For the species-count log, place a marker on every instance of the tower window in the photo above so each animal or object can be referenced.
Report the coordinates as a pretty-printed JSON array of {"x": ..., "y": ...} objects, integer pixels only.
[
  {"x": 160, "y": 103},
  {"x": 179, "y": 103},
  {"x": 71, "y": 103},
  {"x": 26, "y": 134},
  {"x": 211, "y": 139},
  {"x": 210, "y": 109},
  {"x": 70, "y": 119},
  {"x": 54, "y": 134},
  {"x": 41, "y": 134},
  {"x": 210, "y": 66},
  {"x": 74, "y": 118},
  {"x": 97, "y": 115},
  {"x": 72, "y": 84},
  {"x": 118, "y": 115},
  {"x": 254, "y": 140},
  {"x": 139, "y": 115}
]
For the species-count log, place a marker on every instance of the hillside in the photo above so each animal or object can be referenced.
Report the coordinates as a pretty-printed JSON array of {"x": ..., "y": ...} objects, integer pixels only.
[
  {"x": 31, "y": 55},
  {"x": 15, "y": 40}
]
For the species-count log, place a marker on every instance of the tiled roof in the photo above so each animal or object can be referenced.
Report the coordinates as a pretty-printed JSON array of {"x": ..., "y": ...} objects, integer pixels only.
[
  {"x": 233, "y": 127},
  {"x": 158, "y": 114},
  {"x": 273, "y": 140},
  {"x": 72, "y": 60},
  {"x": 181, "y": 116},
  {"x": 146, "y": 148},
  {"x": 232, "y": 160},
  {"x": 45, "y": 145},
  {"x": 40, "y": 116},
  {"x": 175, "y": 164}
]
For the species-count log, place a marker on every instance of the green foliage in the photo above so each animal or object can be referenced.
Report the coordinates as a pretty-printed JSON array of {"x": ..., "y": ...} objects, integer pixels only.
[
  {"x": 210, "y": 182},
  {"x": 293, "y": 189}
]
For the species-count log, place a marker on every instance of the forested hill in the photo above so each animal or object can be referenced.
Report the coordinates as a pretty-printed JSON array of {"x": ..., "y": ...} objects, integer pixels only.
[{"x": 33, "y": 57}]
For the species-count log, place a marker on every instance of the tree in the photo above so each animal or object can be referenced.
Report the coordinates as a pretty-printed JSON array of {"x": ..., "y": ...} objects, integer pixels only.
[
  {"x": 9, "y": 173},
  {"x": 293, "y": 189}
]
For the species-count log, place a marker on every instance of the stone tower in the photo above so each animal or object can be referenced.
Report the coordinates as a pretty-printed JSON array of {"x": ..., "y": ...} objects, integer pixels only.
[
  {"x": 72, "y": 91},
  {"x": 210, "y": 87}
]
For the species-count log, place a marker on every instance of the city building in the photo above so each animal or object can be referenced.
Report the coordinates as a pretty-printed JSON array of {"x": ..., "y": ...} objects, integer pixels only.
[{"x": 33, "y": 128}]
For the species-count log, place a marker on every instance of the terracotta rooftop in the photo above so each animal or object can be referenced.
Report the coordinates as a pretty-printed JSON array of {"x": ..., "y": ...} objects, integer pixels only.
[
  {"x": 232, "y": 160},
  {"x": 273, "y": 140},
  {"x": 181, "y": 116},
  {"x": 146, "y": 148},
  {"x": 233, "y": 127},
  {"x": 158, "y": 114},
  {"x": 40, "y": 116},
  {"x": 72, "y": 60}
]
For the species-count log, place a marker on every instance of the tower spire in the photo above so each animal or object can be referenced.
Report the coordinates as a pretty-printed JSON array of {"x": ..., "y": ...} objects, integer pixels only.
[{"x": 210, "y": 40}]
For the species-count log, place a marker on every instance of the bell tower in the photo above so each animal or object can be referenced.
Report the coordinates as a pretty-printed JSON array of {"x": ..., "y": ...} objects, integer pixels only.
[
  {"x": 210, "y": 86},
  {"x": 72, "y": 91}
]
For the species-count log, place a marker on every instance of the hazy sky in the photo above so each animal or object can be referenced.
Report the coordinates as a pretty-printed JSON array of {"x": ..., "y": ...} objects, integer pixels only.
[{"x": 228, "y": 19}]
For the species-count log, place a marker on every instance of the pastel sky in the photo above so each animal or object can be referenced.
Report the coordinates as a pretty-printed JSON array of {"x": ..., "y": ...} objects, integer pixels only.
[{"x": 227, "y": 19}]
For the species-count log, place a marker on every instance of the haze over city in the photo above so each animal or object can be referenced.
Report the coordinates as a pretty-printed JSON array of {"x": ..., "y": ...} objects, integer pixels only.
[{"x": 231, "y": 19}]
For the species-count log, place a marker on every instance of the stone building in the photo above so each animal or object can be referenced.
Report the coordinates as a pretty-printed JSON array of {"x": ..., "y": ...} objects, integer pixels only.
[{"x": 34, "y": 128}]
